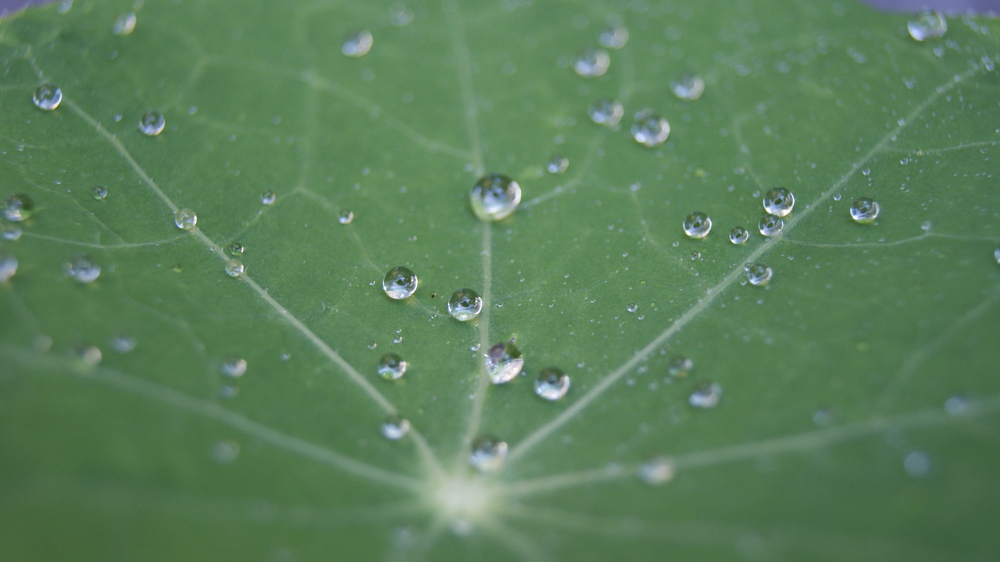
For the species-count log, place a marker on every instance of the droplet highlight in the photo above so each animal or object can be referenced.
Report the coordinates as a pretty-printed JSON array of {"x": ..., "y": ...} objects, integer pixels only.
[
  {"x": 185, "y": 219},
  {"x": 47, "y": 97},
  {"x": 779, "y": 201},
  {"x": 758, "y": 274},
  {"x": 464, "y": 305},
  {"x": 650, "y": 129},
  {"x": 739, "y": 235},
  {"x": 552, "y": 384},
  {"x": 770, "y": 225},
  {"x": 697, "y": 225},
  {"x": 399, "y": 283},
  {"x": 503, "y": 362},
  {"x": 357, "y": 44},
  {"x": 152, "y": 123},
  {"x": 607, "y": 112},
  {"x": 864, "y": 210},
  {"x": 592, "y": 63},
  {"x": 391, "y": 367},
  {"x": 494, "y": 197},
  {"x": 488, "y": 454}
]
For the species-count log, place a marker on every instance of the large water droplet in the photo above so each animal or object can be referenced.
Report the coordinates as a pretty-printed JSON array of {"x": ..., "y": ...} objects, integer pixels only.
[
  {"x": 345, "y": 216},
  {"x": 706, "y": 395},
  {"x": 82, "y": 269},
  {"x": 19, "y": 207},
  {"x": 697, "y": 225},
  {"x": 758, "y": 274},
  {"x": 151, "y": 123},
  {"x": 185, "y": 219},
  {"x": 929, "y": 25},
  {"x": 770, "y": 225},
  {"x": 659, "y": 470},
  {"x": 557, "y": 164},
  {"x": 358, "y": 44},
  {"x": 234, "y": 367},
  {"x": 607, "y": 112},
  {"x": 864, "y": 210},
  {"x": 391, "y": 367},
  {"x": 680, "y": 367},
  {"x": 649, "y": 128},
  {"x": 592, "y": 63},
  {"x": 235, "y": 268},
  {"x": 779, "y": 201},
  {"x": 739, "y": 235},
  {"x": 268, "y": 197},
  {"x": 552, "y": 384},
  {"x": 503, "y": 362},
  {"x": 395, "y": 427},
  {"x": 124, "y": 24},
  {"x": 99, "y": 192},
  {"x": 687, "y": 86},
  {"x": 464, "y": 305},
  {"x": 613, "y": 37},
  {"x": 47, "y": 97},
  {"x": 494, "y": 197},
  {"x": 8, "y": 267},
  {"x": 488, "y": 454},
  {"x": 399, "y": 283}
]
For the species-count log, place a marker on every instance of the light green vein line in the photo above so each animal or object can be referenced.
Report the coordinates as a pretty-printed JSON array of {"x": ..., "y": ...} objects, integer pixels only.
[
  {"x": 482, "y": 388},
  {"x": 513, "y": 540},
  {"x": 703, "y": 303},
  {"x": 464, "y": 61}
]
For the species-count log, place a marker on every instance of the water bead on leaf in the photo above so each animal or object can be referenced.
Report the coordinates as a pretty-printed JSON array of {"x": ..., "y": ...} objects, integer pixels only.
[
  {"x": 607, "y": 112},
  {"x": 758, "y": 274},
  {"x": 864, "y": 210},
  {"x": 557, "y": 164},
  {"x": 592, "y": 63},
  {"x": 770, "y": 225},
  {"x": 687, "y": 86},
  {"x": 99, "y": 192},
  {"x": 488, "y": 454},
  {"x": 345, "y": 216},
  {"x": 659, "y": 470},
  {"x": 47, "y": 97},
  {"x": 650, "y": 129},
  {"x": 739, "y": 235},
  {"x": 779, "y": 201},
  {"x": 124, "y": 24},
  {"x": 680, "y": 367},
  {"x": 19, "y": 207},
  {"x": 399, "y": 283},
  {"x": 464, "y": 305},
  {"x": 929, "y": 25},
  {"x": 552, "y": 384},
  {"x": 236, "y": 249},
  {"x": 632, "y": 307},
  {"x": 235, "y": 268},
  {"x": 151, "y": 123},
  {"x": 395, "y": 428},
  {"x": 391, "y": 367},
  {"x": 705, "y": 395},
  {"x": 10, "y": 232},
  {"x": 996, "y": 254},
  {"x": 503, "y": 362},
  {"x": 697, "y": 225},
  {"x": 82, "y": 269},
  {"x": 8, "y": 267},
  {"x": 268, "y": 197},
  {"x": 185, "y": 219},
  {"x": 494, "y": 197},
  {"x": 357, "y": 44},
  {"x": 613, "y": 37},
  {"x": 234, "y": 367}
]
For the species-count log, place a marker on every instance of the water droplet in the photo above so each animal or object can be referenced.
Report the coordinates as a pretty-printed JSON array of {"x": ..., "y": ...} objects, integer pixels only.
[
  {"x": 10, "y": 232},
  {"x": 185, "y": 219},
  {"x": 464, "y": 305},
  {"x": 632, "y": 307},
  {"x": 956, "y": 406},
  {"x": 739, "y": 235},
  {"x": 503, "y": 362},
  {"x": 695, "y": 255},
  {"x": 680, "y": 367},
  {"x": 996, "y": 253},
  {"x": 929, "y": 25},
  {"x": 89, "y": 354},
  {"x": 650, "y": 129},
  {"x": 557, "y": 164},
  {"x": 494, "y": 197},
  {"x": 607, "y": 112},
  {"x": 866, "y": 172},
  {"x": 234, "y": 367},
  {"x": 236, "y": 249},
  {"x": 395, "y": 428},
  {"x": 345, "y": 216},
  {"x": 399, "y": 283},
  {"x": 82, "y": 269},
  {"x": 659, "y": 470},
  {"x": 488, "y": 454},
  {"x": 358, "y": 44},
  {"x": 19, "y": 207},
  {"x": 770, "y": 225},
  {"x": 267, "y": 197},
  {"x": 697, "y": 225},
  {"x": 123, "y": 343},
  {"x": 235, "y": 268},
  {"x": 592, "y": 63},
  {"x": 758, "y": 274},
  {"x": 124, "y": 25},
  {"x": 864, "y": 210},
  {"x": 613, "y": 37},
  {"x": 917, "y": 464},
  {"x": 8, "y": 267},
  {"x": 47, "y": 97},
  {"x": 401, "y": 15},
  {"x": 688, "y": 86},
  {"x": 706, "y": 395},
  {"x": 552, "y": 384},
  {"x": 99, "y": 192},
  {"x": 779, "y": 201},
  {"x": 225, "y": 452},
  {"x": 151, "y": 123},
  {"x": 391, "y": 367}
]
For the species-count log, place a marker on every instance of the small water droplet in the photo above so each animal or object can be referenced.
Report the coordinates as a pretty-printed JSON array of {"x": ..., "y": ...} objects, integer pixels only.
[
  {"x": 464, "y": 305},
  {"x": 836, "y": 197},
  {"x": 82, "y": 269},
  {"x": 557, "y": 164},
  {"x": 866, "y": 172},
  {"x": 124, "y": 24},
  {"x": 552, "y": 384},
  {"x": 956, "y": 406},
  {"x": 236, "y": 249},
  {"x": 705, "y": 395},
  {"x": 488, "y": 454},
  {"x": 695, "y": 256},
  {"x": 10, "y": 232},
  {"x": 268, "y": 197},
  {"x": 401, "y": 15},
  {"x": 687, "y": 86},
  {"x": 235, "y": 268},
  {"x": 659, "y": 470},
  {"x": 19, "y": 207},
  {"x": 47, "y": 97},
  {"x": 371, "y": 345},
  {"x": 99, "y": 192},
  {"x": 8, "y": 267},
  {"x": 929, "y": 25},
  {"x": 917, "y": 464},
  {"x": 607, "y": 112},
  {"x": 758, "y": 274},
  {"x": 632, "y": 307},
  {"x": 864, "y": 210},
  {"x": 345, "y": 216},
  {"x": 225, "y": 452},
  {"x": 391, "y": 367},
  {"x": 996, "y": 254},
  {"x": 822, "y": 417},
  {"x": 613, "y": 37},
  {"x": 395, "y": 428},
  {"x": 649, "y": 128},
  {"x": 779, "y": 201},
  {"x": 151, "y": 123},
  {"x": 739, "y": 235},
  {"x": 185, "y": 219},
  {"x": 592, "y": 63},
  {"x": 494, "y": 197},
  {"x": 399, "y": 283},
  {"x": 358, "y": 44},
  {"x": 123, "y": 343},
  {"x": 234, "y": 367},
  {"x": 770, "y": 225},
  {"x": 697, "y": 225},
  {"x": 680, "y": 367},
  {"x": 503, "y": 362},
  {"x": 89, "y": 354}
]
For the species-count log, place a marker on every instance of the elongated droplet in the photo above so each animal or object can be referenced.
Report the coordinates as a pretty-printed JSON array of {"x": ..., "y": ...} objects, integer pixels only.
[
  {"x": 770, "y": 225},
  {"x": 464, "y": 305},
  {"x": 268, "y": 197},
  {"x": 47, "y": 97},
  {"x": 779, "y": 201},
  {"x": 607, "y": 112},
  {"x": 758, "y": 274},
  {"x": 655, "y": 471},
  {"x": 235, "y": 268},
  {"x": 706, "y": 395},
  {"x": 399, "y": 283},
  {"x": 739, "y": 235},
  {"x": 488, "y": 454},
  {"x": 82, "y": 269},
  {"x": 687, "y": 87},
  {"x": 557, "y": 164},
  {"x": 680, "y": 367},
  {"x": 503, "y": 362},
  {"x": 358, "y": 44},
  {"x": 151, "y": 123},
  {"x": 552, "y": 384},
  {"x": 234, "y": 367},
  {"x": 345, "y": 216},
  {"x": 185, "y": 219},
  {"x": 929, "y": 25},
  {"x": 494, "y": 197},
  {"x": 391, "y": 367},
  {"x": 8, "y": 267},
  {"x": 697, "y": 225},
  {"x": 650, "y": 129},
  {"x": 592, "y": 63},
  {"x": 864, "y": 210},
  {"x": 613, "y": 37},
  {"x": 19, "y": 207},
  {"x": 124, "y": 24},
  {"x": 395, "y": 428}
]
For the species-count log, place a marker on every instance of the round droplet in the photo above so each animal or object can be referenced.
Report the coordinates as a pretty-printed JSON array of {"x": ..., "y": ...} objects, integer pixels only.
[
  {"x": 494, "y": 197},
  {"x": 503, "y": 362},
  {"x": 650, "y": 129},
  {"x": 395, "y": 428},
  {"x": 697, "y": 225},
  {"x": 82, "y": 269},
  {"x": 488, "y": 454},
  {"x": 632, "y": 307},
  {"x": 234, "y": 367},
  {"x": 659, "y": 470},
  {"x": 929, "y": 25},
  {"x": 770, "y": 225},
  {"x": 391, "y": 367},
  {"x": 345, "y": 216},
  {"x": 235, "y": 268},
  {"x": 236, "y": 249},
  {"x": 99, "y": 192},
  {"x": 19, "y": 207},
  {"x": 267, "y": 197},
  {"x": 47, "y": 97},
  {"x": 185, "y": 219},
  {"x": 779, "y": 201},
  {"x": 680, "y": 367},
  {"x": 151, "y": 123},
  {"x": 464, "y": 305},
  {"x": 358, "y": 44},
  {"x": 739, "y": 235},
  {"x": 10, "y": 232},
  {"x": 706, "y": 395},
  {"x": 607, "y": 112},
  {"x": 552, "y": 384},
  {"x": 399, "y": 283},
  {"x": 557, "y": 164},
  {"x": 8, "y": 267},
  {"x": 613, "y": 37},
  {"x": 124, "y": 24},
  {"x": 592, "y": 63},
  {"x": 864, "y": 210},
  {"x": 687, "y": 86},
  {"x": 758, "y": 274}
]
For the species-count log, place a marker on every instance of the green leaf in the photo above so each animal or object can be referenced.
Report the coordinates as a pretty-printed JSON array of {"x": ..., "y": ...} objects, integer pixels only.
[{"x": 858, "y": 418}]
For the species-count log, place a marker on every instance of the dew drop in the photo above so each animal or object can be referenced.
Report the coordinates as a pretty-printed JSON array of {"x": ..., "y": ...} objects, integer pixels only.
[
  {"x": 464, "y": 305},
  {"x": 236, "y": 249},
  {"x": 371, "y": 345},
  {"x": 659, "y": 470},
  {"x": 680, "y": 367},
  {"x": 10, "y": 232},
  {"x": 89, "y": 354},
  {"x": 19, "y": 207},
  {"x": 695, "y": 256},
  {"x": 739, "y": 235},
  {"x": 8, "y": 267},
  {"x": 124, "y": 24},
  {"x": 758, "y": 274},
  {"x": 488, "y": 454},
  {"x": 557, "y": 164},
  {"x": 82, "y": 269},
  {"x": 99, "y": 192},
  {"x": 917, "y": 464},
  {"x": 552, "y": 384},
  {"x": 706, "y": 395},
  {"x": 779, "y": 201},
  {"x": 956, "y": 406},
  {"x": 123, "y": 343},
  {"x": 345, "y": 216},
  {"x": 47, "y": 97},
  {"x": 864, "y": 210},
  {"x": 697, "y": 225},
  {"x": 234, "y": 367},
  {"x": 357, "y": 44},
  {"x": 399, "y": 283},
  {"x": 151, "y": 123},
  {"x": 929, "y": 25},
  {"x": 613, "y": 37},
  {"x": 494, "y": 197},
  {"x": 687, "y": 86},
  {"x": 650, "y": 129},
  {"x": 632, "y": 307},
  {"x": 592, "y": 63},
  {"x": 235, "y": 268},
  {"x": 607, "y": 112},
  {"x": 770, "y": 225},
  {"x": 503, "y": 362},
  {"x": 391, "y": 367},
  {"x": 395, "y": 428},
  {"x": 185, "y": 219},
  {"x": 268, "y": 197}
]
